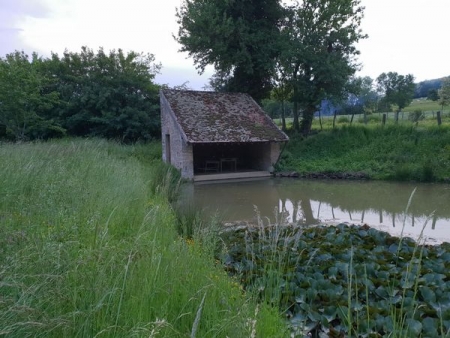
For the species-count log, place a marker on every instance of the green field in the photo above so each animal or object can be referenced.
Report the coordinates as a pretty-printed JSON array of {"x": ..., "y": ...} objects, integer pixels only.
[
  {"x": 427, "y": 118},
  {"x": 89, "y": 248},
  {"x": 425, "y": 105}
]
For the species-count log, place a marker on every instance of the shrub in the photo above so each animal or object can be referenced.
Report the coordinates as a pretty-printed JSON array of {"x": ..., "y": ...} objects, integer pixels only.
[
  {"x": 343, "y": 119},
  {"x": 416, "y": 116}
]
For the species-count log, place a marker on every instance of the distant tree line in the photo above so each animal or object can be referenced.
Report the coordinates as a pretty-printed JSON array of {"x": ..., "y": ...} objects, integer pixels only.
[
  {"x": 361, "y": 95},
  {"x": 89, "y": 93},
  {"x": 428, "y": 89}
]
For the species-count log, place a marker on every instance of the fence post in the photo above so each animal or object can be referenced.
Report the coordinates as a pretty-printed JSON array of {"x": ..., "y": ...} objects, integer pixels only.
[
  {"x": 384, "y": 119},
  {"x": 439, "y": 121}
]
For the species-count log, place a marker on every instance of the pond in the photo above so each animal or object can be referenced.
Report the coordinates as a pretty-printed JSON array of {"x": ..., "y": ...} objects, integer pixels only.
[{"x": 382, "y": 205}]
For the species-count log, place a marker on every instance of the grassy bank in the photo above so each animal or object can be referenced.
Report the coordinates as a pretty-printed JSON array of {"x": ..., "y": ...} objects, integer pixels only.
[
  {"x": 394, "y": 152},
  {"x": 89, "y": 248}
]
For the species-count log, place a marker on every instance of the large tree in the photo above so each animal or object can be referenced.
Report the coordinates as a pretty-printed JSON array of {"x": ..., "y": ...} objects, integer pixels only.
[
  {"x": 397, "y": 89},
  {"x": 318, "y": 52},
  {"x": 24, "y": 101},
  {"x": 362, "y": 97},
  {"x": 239, "y": 38}
]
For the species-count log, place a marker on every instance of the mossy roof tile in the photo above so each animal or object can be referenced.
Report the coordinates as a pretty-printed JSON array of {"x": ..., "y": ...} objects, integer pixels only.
[{"x": 221, "y": 117}]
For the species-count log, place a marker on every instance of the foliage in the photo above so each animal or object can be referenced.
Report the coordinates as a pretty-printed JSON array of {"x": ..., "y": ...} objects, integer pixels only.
[
  {"x": 345, "y": 280},
  {"x": 317, "y": 56},
  {"x": 23, "y": 99},
  {"x": 233, "y": 36},
  {"x": 423, "y": 88},
  {"x": 88, "y": 249},
  {"x": 274, "y": 108},
  {"x": 106, "y": 95},
  {"x": 444, "y": 93},
  {"x": 364, "y": 91},
  {"x": 416, "y": 116},
  {"x": 433, "y": 95},
  {"x": 397, "y": 89},
  {"x": 81, "y": 94}
]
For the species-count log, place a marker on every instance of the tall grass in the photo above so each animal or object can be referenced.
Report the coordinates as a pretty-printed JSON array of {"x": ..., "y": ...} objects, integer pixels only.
[
  {"x": 89, "y": 248},
  {"x": 393, "y": 152}
]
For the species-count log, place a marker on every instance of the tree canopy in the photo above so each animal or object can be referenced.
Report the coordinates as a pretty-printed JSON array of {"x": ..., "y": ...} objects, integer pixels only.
[
  {"x": 423, "y": 88},
  {"x": 239, "y": 38},
  {"x": 80, "y": 94},
  {"x": 318, "y": 53},
  {"x": 397, "y": 89},
  {"x": 23, "y": 99},
  {"x": 309, "y": 44}
]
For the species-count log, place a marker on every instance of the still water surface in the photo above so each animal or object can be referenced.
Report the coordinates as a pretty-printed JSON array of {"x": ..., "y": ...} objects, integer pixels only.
[{"x": 381, "y": 205}]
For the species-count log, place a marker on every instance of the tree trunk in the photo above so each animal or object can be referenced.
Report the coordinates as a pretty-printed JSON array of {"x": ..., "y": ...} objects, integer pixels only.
[
  {"x": 307, "y": 211},
  {"x": 320, "y": 119},
  {"x": 295, "y": 122},
  {"x": 308, "y": 116},
  {"x": 283, "y": 117},
  {"x": 396, "y": 116}
]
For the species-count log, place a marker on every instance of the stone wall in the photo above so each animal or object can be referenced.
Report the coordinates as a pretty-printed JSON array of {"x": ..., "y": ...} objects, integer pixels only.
[
  {"x": 181, "y": 155},
  {"x": 266, "y": 155},
  {"x": 275, "y": 150}
]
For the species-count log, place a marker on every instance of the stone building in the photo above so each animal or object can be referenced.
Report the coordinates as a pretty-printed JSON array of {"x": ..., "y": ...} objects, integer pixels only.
[{"x": 210, "y": 136}]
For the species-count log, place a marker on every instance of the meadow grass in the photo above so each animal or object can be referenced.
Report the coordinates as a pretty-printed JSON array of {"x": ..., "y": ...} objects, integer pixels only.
[
  {"x": 424, "y": 105},
  {"x": 392, "y": 152},
  {"x": 89, "y": 248},
  {"x": 427, "y": 109}
]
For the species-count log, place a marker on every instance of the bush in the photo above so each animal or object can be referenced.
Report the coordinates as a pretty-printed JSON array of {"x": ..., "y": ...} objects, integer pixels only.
[
  {"x": 343, "y": 119},
  {"x": 416, "y": 116}
]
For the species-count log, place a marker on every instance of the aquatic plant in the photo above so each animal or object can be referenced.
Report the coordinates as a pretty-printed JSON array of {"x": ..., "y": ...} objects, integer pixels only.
[{"x": 345, "y": 279}]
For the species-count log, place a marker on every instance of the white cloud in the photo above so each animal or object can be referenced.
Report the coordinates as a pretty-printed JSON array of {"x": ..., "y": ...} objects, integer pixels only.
[
  {"x": 406, "y": 36},
  {"x": 139, "y": 25}
]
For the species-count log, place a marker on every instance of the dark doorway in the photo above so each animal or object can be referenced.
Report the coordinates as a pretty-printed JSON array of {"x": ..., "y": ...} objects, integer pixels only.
[
  {"x": 168, "y": 155},
  {"x": 229, "y": 157}
]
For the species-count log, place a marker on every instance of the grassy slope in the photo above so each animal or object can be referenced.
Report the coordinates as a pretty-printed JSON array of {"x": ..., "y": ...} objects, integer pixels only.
[
  {"x": 424, "y": 105},
  {"x": 88, "y": 247},
  {"x": 393, "y": 152}
]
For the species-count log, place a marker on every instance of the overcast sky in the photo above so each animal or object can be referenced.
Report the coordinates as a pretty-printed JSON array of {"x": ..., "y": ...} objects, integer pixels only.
[{"x": 405, "y": 36}]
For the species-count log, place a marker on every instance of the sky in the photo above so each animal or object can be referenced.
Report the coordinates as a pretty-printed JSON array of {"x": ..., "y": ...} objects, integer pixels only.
[{"x": 405, "y": 36}]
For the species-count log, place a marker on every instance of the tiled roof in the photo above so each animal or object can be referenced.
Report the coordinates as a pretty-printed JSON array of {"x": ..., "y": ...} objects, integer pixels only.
[{"x": 221, "y": 117}]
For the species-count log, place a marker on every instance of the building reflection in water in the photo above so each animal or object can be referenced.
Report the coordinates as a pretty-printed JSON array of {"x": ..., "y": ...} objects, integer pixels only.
[{"x": 379, "y": 204}]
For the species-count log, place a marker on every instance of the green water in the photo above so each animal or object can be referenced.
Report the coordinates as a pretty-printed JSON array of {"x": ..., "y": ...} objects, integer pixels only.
[{"x": 381, "y": 205}]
